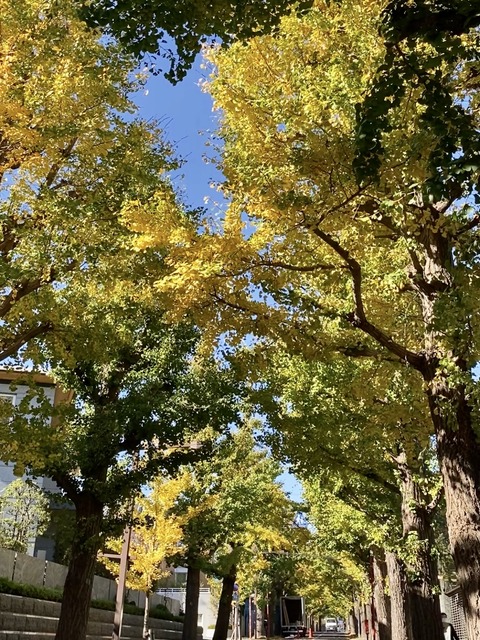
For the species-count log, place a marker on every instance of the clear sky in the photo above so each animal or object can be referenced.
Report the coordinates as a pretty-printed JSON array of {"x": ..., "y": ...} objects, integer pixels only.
[{"x": 185, "y": 114}]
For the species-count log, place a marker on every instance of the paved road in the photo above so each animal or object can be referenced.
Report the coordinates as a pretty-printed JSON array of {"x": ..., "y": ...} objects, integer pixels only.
[{"x": 331, "y": 635}]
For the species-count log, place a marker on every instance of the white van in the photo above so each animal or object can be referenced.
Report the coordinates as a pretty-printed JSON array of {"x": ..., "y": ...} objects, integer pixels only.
[{"x": 331, "y": 624}]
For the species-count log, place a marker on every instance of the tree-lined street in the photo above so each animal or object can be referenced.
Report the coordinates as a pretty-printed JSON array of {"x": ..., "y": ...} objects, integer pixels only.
[{"x": 323, "y": 319}]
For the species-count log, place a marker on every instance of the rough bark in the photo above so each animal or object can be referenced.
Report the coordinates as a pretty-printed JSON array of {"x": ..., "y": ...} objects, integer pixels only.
[
  {"x": 458, "y": 447},
  {"x": 380, "y": 598},
  {"x": 400, "y": 610},
  {"x": 225, "y": 605},
  {"x": 445, "y": 364},
  {"x": 459, "y": 457},
  {"x": 77, "y": 591},
  {"x": 423, "y": 587},
  {"x": 445, "y": 357},
  {"x": 190, "y": 622}
]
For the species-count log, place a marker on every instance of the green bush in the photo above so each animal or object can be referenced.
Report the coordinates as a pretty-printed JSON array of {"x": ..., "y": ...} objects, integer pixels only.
[
  {"x": 29, "y": 590},
  {"x": 55, "y": 595},
  {"x": 160, "y": 611}
]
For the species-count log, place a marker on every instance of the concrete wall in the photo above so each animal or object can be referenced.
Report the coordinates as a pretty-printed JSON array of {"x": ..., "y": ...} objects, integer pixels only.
[
  {"x": 207, "y": 609},
  {"x": 22, "y": 618},
  {"x": 28, "y": 570}
]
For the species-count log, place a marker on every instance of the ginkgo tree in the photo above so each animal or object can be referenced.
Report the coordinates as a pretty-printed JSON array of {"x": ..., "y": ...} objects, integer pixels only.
[
  {"x": 235, "y": 511},
  {"x": 72, "y": 154},
  {"x": 155, "y": 535},
  {"x": 24, "y": 514},
  {"x": 74, "y": 159},
  {"x": 371, "y": 443},
  {"x": 382, "y": 269},
  {"x": 139, "y": 389},
  {"x": 176, "y": 31}
]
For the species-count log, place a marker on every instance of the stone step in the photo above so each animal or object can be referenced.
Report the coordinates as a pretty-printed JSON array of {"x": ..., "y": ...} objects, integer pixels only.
[
  {"x": 27, "y": 635},
  {"x": 31, "y": 619},
  {"x": 24, "y": 622}
]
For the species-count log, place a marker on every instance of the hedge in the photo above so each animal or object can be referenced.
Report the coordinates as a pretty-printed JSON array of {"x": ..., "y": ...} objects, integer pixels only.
[{"x": 160, "y": 611}]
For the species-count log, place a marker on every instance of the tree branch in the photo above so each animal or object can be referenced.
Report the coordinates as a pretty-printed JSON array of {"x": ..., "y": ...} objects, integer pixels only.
[
  {"x": 11, "y": 347},
  {"x": 468, "y": 226},
  {"x": 358, "y": 317},
  {"x": 55, "y": 168},
  {"x": 363, "y": 351},
  {"x": 292, "y": 267},
  {"x": 22, "y": 289},
  {"x": 368, "y": 474}
]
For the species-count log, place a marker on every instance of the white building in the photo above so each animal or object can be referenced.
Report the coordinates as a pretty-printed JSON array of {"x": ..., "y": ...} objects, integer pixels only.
[
  {"x": 12, "y": 390},
  {"x": 207, "y": 609}
]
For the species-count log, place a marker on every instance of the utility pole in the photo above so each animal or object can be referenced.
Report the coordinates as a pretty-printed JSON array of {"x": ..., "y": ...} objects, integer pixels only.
[{"x": 122, "y": 576}]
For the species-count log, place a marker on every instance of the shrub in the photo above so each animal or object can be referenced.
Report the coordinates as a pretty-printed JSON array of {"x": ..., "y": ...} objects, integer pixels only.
[
  {"x": 160, "y": 611},
  {"x": 55, "y": 595},
  {"x": 29, "y": 590}
]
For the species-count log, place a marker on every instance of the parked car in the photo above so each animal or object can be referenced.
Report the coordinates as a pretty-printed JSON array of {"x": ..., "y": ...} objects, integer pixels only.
[{"x": 331, "y": 624}]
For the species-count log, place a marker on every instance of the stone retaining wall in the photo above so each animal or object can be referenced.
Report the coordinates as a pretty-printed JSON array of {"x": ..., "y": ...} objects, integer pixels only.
[
  {"x": 28, "y": 570},
  {"x": 31, "y": 619}
]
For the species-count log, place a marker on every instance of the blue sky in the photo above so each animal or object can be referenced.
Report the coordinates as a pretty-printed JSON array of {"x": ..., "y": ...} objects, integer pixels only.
[{"x": 185, "y": 114}]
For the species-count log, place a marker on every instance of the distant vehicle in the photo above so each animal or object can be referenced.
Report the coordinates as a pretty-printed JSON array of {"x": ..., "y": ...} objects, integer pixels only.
[
  {"x": 331, "y": 624},
  {"x": 292, "y": 616}
]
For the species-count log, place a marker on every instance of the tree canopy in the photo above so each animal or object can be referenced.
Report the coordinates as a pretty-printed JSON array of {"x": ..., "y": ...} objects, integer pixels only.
[
  {"x": 72, "y": 155},
  {"x": 152, "y": 26},
  {"x": 24, "y": 514},
  {"x": 383, "y": 270}
]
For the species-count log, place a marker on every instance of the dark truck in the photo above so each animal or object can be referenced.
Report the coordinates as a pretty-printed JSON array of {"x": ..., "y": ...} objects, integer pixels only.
[{"x": 292, "y": 617}]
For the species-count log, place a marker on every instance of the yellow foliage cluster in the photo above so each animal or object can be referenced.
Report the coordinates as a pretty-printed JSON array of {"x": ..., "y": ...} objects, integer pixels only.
[
  {"x": 287, "y": 106},
  {"x": 156, "y": 534},
  {"x": 70, "y": 162}
]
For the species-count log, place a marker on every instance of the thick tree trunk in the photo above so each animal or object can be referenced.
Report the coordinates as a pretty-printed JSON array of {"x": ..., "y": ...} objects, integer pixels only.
[
  {"x": 192, "y": 594},
  {"x": 225, "y": 605},
  {"x": 423, "y": 588},
  {"x": 459, "y": 457},
  {"x": 77, "y": 591},
  {"x": 380, "y": 598},
  {"x": 400, "y": 610},
  {"x": 458, "y": 446}
]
